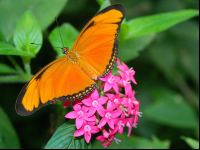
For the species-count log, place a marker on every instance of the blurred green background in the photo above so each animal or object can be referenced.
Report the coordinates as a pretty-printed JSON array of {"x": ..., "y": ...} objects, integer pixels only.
[{"x": 166, "y": 65}]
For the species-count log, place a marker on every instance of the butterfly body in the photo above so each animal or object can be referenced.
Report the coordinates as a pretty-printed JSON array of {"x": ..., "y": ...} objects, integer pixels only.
[{"x": 73, "y": 76}]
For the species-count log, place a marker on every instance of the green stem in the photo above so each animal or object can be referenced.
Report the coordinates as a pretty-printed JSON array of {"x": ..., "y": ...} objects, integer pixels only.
[
  {"x": 28, "y": 70},
  {"x": 19, "y": 69}
]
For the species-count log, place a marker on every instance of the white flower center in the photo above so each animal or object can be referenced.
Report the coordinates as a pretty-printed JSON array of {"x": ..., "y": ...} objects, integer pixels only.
[
  {"x": 111, "y": 79},
  {"x": 126, "y": 82},
  {"x": 117, "y": 140},
  {"x": 95, "y": 103},
  {"x": 130, "y": 101},
  {"x": 87, "y": 128},
  {"x": 108, "y": 115},
  {"x": 135, "y": 102},
  {"x": 130, "y": 71},
  {"x": 116, "y": 100},
  {"x": 139, "y": 114},
  {"x": 80, "y": 113},
  {"x": 120, "y": 124}
]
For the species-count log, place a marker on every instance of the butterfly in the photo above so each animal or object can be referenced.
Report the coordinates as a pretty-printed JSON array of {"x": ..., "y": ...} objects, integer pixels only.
[{"x": 73, "y": 76}]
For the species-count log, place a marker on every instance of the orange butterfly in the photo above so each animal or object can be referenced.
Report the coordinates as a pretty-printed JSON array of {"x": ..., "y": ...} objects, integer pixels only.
[{"x": 71, "y": 77}]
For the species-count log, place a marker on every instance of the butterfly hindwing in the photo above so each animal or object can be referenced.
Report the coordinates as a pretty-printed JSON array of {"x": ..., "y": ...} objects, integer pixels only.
[{"x": 59, "y": 80}]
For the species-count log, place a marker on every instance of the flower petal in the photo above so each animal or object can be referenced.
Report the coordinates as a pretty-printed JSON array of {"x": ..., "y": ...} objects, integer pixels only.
[
  {"x": 87, "y": 136},
  {"x": 79, "y": 132},
  {"x": 111, "y": 96},
  {"x": 116, "y": 113},
  {"x": 102, "y": 122},
  {"x": 94, "y": 129},
  {"x": 120, "y": 129},
  {"x": 101, "y": 138},
  {"x": 92, "y": 111},
  {"x": 95, "y": 95},
  {"x": 111, "y": 123},
  {"x": 77, "y": 107},
  {"x": 102, "y": 100},
  {"x": 79, "y": 122},
  {"x": 109, "y": 106},
  {"x": 125, "y": 66},
  {"x": 87, "y": 102},
  {"x": 71, "y": 115},
  {"x": 85, "y": 108},
  {"x": 107, "y": 87},
  {"x": 115, "y": 87},
  {"x": 133, "y": 80},
  {"x": 88, "y": 118},
  {"x": 101, "y": 112}
]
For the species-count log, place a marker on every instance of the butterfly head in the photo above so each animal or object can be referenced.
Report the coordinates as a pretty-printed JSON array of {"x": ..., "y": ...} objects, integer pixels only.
[{"x": 65, "y": 50}]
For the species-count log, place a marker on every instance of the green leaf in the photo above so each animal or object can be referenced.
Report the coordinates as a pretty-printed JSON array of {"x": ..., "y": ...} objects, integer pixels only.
[
  {"x": 157, "y": 23},
  {"x": 171, "y": 109},
  {"x": 6, "y": 49},
  {"x": 68, "y": 35},
  {"x": 12, "y": 79},
  {"x": 191, "y": 142},
  {"x": 5, "y": 69},
  {"x": 44, "y": 11},
  {"x": 2, "y": 37},
  {"x": 63, "y": 139},
  {"x": 163, "y": 56},
  {"x": 8, "y": 136},
  {"x": 103, "y": 3},
  {"x": 130, "y": 48},
  {"x": 124, "y": 29},
  {"x": 132, "y": 142},
  {"x": 158, "y": 144},
  {"x": 26, "y": 32}
]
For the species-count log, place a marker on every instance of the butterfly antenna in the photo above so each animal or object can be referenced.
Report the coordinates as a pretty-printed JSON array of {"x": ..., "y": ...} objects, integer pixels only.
[
  {"x": 45, "y": 45},
  {"x": 59, "y": 31}
]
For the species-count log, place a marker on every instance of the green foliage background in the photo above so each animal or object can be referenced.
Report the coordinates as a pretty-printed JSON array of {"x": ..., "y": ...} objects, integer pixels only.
[{"x": 159, "y": 39}]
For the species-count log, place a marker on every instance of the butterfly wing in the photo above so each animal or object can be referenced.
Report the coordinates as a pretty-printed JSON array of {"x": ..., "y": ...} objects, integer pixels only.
[
  {"x": 64, "y": 80},
  {"x": 60, "y": 80},
  {"x": 97, "y": 43}
]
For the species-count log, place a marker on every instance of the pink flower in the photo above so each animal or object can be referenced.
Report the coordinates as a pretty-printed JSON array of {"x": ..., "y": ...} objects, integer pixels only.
[
  {"x": 129, "y": 124},
  {"x": 135, "y": 112},
  {"x": 94, "y": 102},
  {"x": 111, "y": 82},
  {"x": 80, "y": 114},
  {"x": 115, "y": 99},
  {"x": 120, "y": 124},
  {"x": 129, "y": 73},
  {"x": 87, "y": 129},
  {"x": 108, "y": 115},
  {"x": 111, "y": 107},
  {"x": 107, "y": 137},
  {"x": 130, "y": 101},
  {"x": 125, "y": 82}
]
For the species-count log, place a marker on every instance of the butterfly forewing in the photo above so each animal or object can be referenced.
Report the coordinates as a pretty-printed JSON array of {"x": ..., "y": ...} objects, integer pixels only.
[{"x": 97, "y": 43}]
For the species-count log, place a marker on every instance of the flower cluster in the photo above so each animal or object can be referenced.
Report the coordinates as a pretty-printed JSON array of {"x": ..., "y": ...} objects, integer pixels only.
[{"x": 112, "y": 108}]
